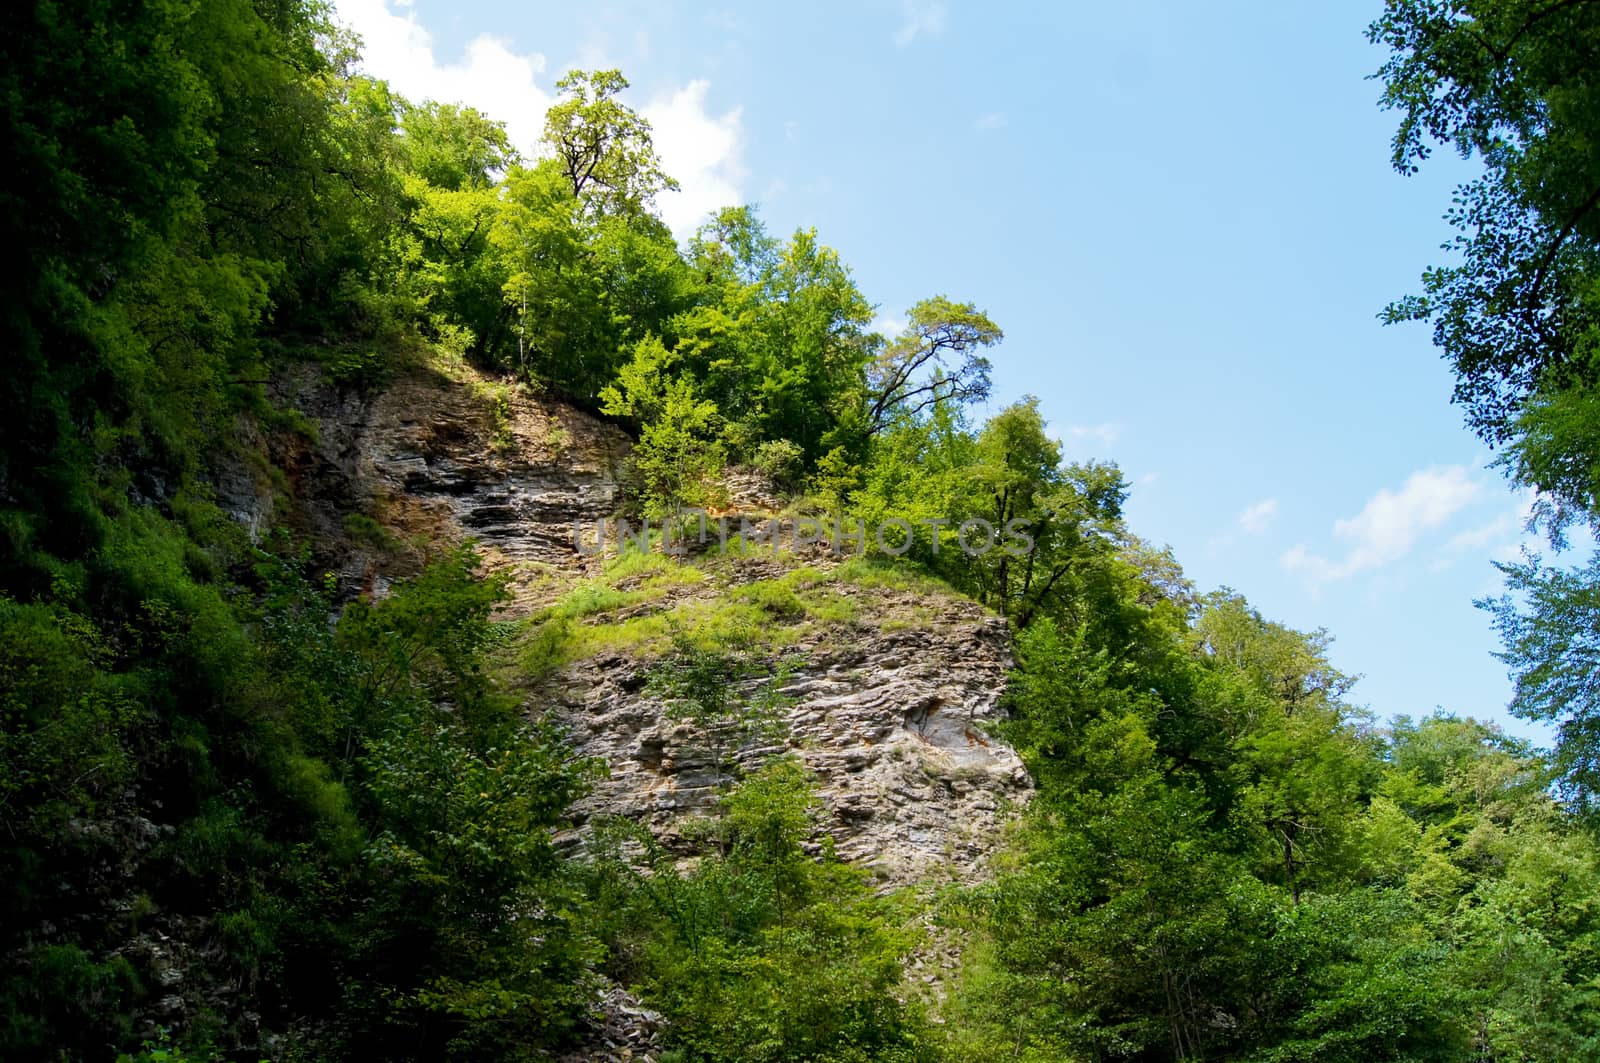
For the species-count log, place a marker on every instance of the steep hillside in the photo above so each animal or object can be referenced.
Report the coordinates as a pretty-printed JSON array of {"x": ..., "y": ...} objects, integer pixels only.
[
  {"x": 324, "y": 737},
  {"x": 894, "y": 681},
  {"x": 891, "y": 684}
]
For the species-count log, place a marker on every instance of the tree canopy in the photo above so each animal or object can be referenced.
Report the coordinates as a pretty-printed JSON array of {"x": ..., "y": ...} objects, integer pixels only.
[{"x": 1511, "y": 83}]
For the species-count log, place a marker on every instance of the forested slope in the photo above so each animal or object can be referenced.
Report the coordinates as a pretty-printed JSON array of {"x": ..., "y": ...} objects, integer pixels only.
[{"x": 291, "y": 768}]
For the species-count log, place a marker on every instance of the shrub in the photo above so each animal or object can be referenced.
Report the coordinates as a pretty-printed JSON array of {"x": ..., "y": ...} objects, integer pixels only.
[
  {"x": 762, "y": 953},
  {"x": 780, "y": 461}
]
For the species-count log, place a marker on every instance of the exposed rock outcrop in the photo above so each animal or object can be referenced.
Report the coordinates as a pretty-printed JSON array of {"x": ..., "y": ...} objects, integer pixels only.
[
  {"x": 889, "y": 703},
  {"x": 890, "y": 714},
  {"x": 439, "y": 457},
  {"x": 890, "y": 709},
  {"x": 620, "y": 1030}
]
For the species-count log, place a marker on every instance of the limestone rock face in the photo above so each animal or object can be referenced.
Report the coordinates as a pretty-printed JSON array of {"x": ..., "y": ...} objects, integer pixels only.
[
  {"x": 890, "y": 717},
  {"x": 439, "y": 458},
  {"x": 890, "y": 709},
  {"x": 890, "y": 706}
]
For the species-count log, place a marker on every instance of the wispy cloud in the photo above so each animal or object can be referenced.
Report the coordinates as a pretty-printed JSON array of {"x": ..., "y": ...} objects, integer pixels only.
[
  {"x": 1507, "y": 526},
  {"x": 1099, "y": 435},
  {"x": 1390, "y": 524},
  {"x": 918, "y": 18},
  {"x": 704, "y": 151},
  {"x": 992, "y": 120},
  {"x": 1257, "y": 516},
  {"x": 1508, "y": 536}
]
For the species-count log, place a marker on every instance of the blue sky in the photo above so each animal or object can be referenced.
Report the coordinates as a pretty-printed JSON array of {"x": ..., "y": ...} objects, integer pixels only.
[{"x": 1183, "y": 217}]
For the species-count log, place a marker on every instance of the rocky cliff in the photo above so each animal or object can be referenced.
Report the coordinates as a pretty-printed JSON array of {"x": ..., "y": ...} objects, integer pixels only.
[{"x": 890, "y": 679}]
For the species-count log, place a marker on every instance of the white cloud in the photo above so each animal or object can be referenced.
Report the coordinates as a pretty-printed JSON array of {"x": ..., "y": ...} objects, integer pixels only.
[
  {"x": 703, "y": 151},
  {"x": 1258, "y": 515},
  {"x": 1390, "y": 524},
  {"x": 918, "y": 18},
  {"x": 489, "y": 76},
  {"x": 1391, "y": 521},
  {"x": 992, "y": 120},
  {"x": 887, "y": 325}
]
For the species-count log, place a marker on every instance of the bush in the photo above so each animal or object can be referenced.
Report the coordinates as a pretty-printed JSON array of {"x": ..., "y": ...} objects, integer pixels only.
[
  {"x": 764, "y": 954},
  {"x": 780, "y": 461}
]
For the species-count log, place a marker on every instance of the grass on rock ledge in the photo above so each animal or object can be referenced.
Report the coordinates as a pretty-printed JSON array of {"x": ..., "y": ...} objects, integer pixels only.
[{"x": 640, "y": 598}]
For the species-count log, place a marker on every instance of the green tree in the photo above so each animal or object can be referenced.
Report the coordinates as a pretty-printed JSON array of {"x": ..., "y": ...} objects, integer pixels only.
[
  {"x": 582, "y": 290},
  {"x": 454, "y": 277},
  {"x": 762, "y": 952},
  {"x": 1224, "y": 861},
  {"x": 997, "y": 512},
  {"x": 910, "y": 374},
  {"x": 455, "y": 148},
  {"x": 680, "y": 450},
  {"x": 602, "y": 146},
  {"x": 728, "y": 695},
  {"x": 1518, "y": 313},
  {"x": 1509, "y": 81},
  {"x": 450, "y": 931},
  {"x": 778, "y": 340},
  {"x": 1549, "y": 624},
  {"x": 552, "y": 294}
]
